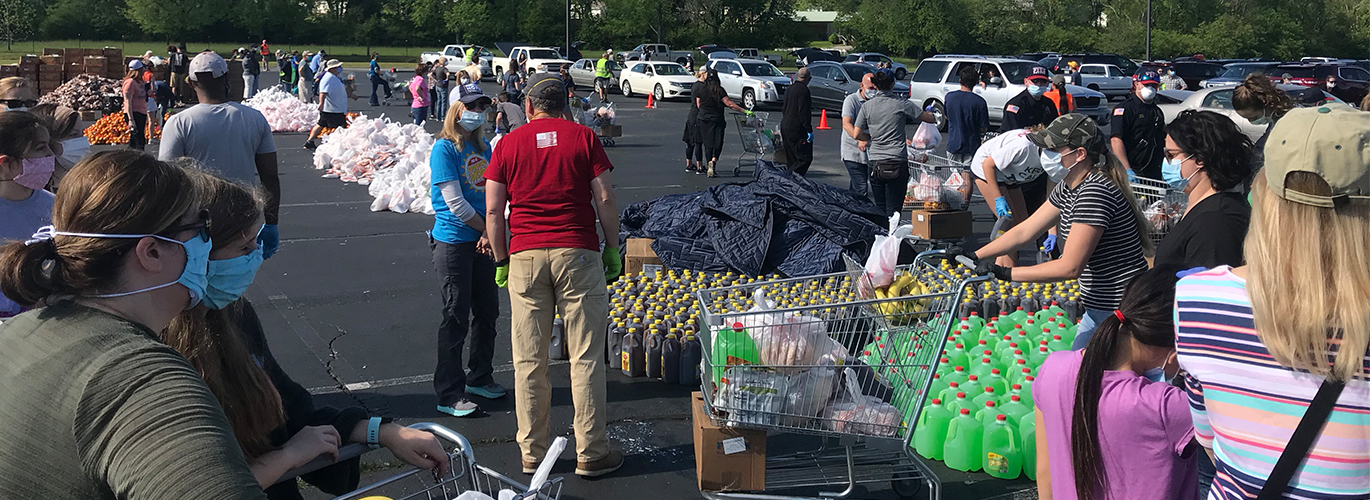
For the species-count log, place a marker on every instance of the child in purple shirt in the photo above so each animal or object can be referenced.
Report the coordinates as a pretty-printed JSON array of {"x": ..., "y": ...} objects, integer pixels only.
[{"x": 1104, "y": 429}]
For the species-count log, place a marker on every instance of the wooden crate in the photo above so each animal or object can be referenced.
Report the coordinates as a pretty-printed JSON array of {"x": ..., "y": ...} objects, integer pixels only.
[
  {"x": 90, "y": 116},
  {"x": 54, "y": 59},
  {"x": 73, "y": 54},
  {"x": 112, "y": 53},
  {"x": 28, "y": 59},
  {"x": 74, "y": 68},
  {"x": 59, "y": 52},
  {"x": 8, "y": 70}
]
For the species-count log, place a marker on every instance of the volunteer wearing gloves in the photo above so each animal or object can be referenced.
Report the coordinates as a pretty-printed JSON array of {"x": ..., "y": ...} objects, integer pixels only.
[
  {"x": 1208, "y": 158},
  {"x": 1095, "y": 211},
  {"x": 711, "y": 120},
  {"x": 1009, "y": 174},
  {"x": 461, "y": 254}
]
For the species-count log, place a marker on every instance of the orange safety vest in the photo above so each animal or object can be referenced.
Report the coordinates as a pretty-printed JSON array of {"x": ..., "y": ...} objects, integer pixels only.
[{"x": 1055, "y": 96}]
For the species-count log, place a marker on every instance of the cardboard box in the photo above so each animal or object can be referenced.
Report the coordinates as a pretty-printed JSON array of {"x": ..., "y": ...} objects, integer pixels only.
[
  {"x": 727, "y": 459},
  {"x": 941, "y": 225},
  {"x": 639, "y": 257},
  {"x": 611, "y": 131}
]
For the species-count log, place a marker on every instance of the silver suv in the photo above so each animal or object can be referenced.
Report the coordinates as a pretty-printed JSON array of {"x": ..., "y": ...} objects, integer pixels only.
[{"x": 1001, "y": 79}]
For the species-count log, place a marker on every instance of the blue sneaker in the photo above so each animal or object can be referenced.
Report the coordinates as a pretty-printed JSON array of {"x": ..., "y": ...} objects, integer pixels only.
[
  {"x": 489, "y": 391},
  {"x": 461, "y": 408}
]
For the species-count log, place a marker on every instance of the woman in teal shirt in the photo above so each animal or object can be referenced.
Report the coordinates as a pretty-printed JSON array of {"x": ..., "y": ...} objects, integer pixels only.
[{"x": 461, "y": 254}]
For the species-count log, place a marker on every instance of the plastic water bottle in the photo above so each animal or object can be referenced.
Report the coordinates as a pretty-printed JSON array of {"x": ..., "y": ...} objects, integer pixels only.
[
  {"x": 1015, "y": 409},
  {"x": 1027, "y": 430},
  {"x": 1003, "y": 454},
  {"x": 996, "y": 381},
  {"x": 691, "y": 356},
  {"x": 930, "y": 435},
  {"x": 558, "y": 345},
  {"x": 965, "y": 437},
  {"x": 670, "y": 359},
  {"x": 733, "y": 347},
  {"x": 985, "y": 397}
]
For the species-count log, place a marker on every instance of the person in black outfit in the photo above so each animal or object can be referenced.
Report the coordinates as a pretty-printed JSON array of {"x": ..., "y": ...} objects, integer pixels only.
[
  {"x": 1208, "y": 157},
  {"x": 694, "y": 143},
  {"x": 711, "y": 122},
  {"x": 1031, "y": 106},
  {"x": 1139, "y": 128},
  {"x": 796, "y": 124}
]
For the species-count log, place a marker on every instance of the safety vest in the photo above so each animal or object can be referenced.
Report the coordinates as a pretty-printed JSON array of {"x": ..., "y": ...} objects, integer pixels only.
[
  {"x": 602, "y": 69},
  {"x": 471, "y": 54}
]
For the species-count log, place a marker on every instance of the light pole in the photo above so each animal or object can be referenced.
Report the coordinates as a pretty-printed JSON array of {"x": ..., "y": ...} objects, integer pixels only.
[
  {"x": 568, "y": 28},
  {"x": 1148, "y": 30}
]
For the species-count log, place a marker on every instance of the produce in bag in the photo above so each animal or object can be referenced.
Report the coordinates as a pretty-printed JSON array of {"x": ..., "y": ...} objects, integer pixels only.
[
  {"x": 752, "y": 395},
  {"x": 927, "y": 136},
  {"x": 884, "y": 258},
  {"x": 788, "y": 342},
  {"x": 856, "y": 413}
]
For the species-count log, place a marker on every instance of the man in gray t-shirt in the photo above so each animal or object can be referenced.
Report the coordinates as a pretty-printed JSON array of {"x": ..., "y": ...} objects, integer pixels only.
[
  {"x": 880, "y": 132},
  {"x": 853, "y": 156}
]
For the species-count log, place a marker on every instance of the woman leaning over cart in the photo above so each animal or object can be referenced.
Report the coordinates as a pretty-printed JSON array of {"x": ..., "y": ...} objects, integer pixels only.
[
  {"x": 95, "y": 405},
  {"x": 274, "y": 419},
  {"x": 1096, "y": 213},
  {"x": 1261, "y": 342},
  {"x": 711, "y": 121}
]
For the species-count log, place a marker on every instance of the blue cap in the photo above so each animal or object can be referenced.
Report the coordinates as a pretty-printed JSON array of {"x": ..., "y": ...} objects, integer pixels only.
[{"x": 1148, "y": 77}]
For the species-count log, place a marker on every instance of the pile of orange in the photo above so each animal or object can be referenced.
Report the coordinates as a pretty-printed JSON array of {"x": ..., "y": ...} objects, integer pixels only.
[
  {"x": 113, "y": 129},
  {"x": 329, "y": 130}
]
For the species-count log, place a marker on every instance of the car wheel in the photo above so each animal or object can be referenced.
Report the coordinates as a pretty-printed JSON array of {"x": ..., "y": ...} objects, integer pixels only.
[
  {"x": 748, "y": 99},
  {"x": 1094, "y": 87},
  {"x": 627, "y": 89},
  {"x": 899, "y": 74},
  {"x": 658, "y": 92},
  {"x": 941, "y": 111},
  {"x": 499, "y": 70}
]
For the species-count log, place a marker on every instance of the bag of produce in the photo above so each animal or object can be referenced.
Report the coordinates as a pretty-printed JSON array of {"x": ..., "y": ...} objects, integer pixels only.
[
  {"x": 856, "y": 413},
  {"x": 927, "y": 136},
  {"x": 884, "y": 256}
]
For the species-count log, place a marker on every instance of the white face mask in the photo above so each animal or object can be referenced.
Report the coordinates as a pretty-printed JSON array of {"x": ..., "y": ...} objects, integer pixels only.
[
  {"x": 1147, "y": 93},
  {"x": 74, "y": 149}
]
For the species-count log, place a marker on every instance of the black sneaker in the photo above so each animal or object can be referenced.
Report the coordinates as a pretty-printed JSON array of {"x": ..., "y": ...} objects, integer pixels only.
[{"x": 310, "y": 145}]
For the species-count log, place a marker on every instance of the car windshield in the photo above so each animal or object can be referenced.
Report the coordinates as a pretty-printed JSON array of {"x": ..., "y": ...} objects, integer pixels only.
[
  {"x": 1014, "y": 72},
  {"x": 857, "y": 71},
  {"x": 760, "y": 69},
  {"x": 543, "y": 54},
  {"x": 1239, "y": 71},
  {"x": 671, "y": 70}
]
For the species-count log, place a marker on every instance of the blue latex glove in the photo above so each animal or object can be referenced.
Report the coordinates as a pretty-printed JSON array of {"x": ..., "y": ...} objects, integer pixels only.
[
  {"x": 1050, "y": 243},
  {"x": 810, "y": 137},
  {"x": 1190, "y": 271},
  {"x": 1131, "y": 176},
  {"x": 269, "y": 239},
  {"x": 1001, "y": 208}
]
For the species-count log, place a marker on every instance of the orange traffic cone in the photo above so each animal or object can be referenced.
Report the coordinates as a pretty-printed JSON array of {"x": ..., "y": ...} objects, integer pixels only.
[
  {"x": 823, "y": 121},
  {"x": 651, "y": 102}
]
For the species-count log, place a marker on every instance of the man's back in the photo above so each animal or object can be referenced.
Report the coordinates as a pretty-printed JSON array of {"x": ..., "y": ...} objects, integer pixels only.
[
  {"x": 513, "y": 116},
  {"x": 226, "y": 138},
  {"x": 884, "y": 118},
  {"x": 967, "y": 118},
  {"x": 547, "y": 166},
  {"x": 797, "y": 113}
]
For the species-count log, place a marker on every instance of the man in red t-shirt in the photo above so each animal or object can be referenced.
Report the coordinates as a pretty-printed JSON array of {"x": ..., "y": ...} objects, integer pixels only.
[{"x": 554, "y": 177}]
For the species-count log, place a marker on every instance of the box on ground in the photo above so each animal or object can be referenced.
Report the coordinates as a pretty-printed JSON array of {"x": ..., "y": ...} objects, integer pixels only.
[
  {"x": 727, "y": 459},
  {"x": 8, "y": 70},
  {"x": 941, "y": 225},
  {"x": 611, "y": 131},
  {"x": 639, "y": 257}
]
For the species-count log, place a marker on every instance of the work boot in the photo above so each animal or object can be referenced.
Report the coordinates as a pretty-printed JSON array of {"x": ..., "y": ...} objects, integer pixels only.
[
  {"x": 529, "y": 467},
  {"x": 607, "y": 465}
]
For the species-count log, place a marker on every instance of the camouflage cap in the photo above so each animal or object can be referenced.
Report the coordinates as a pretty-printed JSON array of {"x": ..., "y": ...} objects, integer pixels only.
[{"x": 1073, "y": 129}]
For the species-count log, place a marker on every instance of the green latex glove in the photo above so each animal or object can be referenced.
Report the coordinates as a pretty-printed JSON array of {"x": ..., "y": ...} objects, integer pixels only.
[
  {"x": 750, "y": 113},
  {"x": 502, "y": 276},
  {"x": 613, "y": 263}
]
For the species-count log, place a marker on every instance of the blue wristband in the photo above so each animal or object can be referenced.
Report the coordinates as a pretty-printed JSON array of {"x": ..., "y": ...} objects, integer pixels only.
[{"x": 373, "y": 433}]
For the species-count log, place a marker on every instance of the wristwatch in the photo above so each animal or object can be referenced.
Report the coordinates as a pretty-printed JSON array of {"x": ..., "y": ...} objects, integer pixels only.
[{"x": 373, "y": 431}]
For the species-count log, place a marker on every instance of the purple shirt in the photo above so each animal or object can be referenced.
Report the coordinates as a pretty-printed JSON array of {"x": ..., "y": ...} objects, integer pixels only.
[{"x": 1145, "y": 431}]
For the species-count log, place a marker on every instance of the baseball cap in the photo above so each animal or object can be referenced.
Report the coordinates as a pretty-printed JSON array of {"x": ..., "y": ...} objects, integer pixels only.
[
  {"x": 135, "y": 64},
  {"x": 1073, "y": 129},
  {"x": 1148, "y": 77},
  {"x": 1038, "y": 73},
  {"x": 207, "y": 62},
  {"x": 332, "y": 63},
  {"x": 471, "y": 93},
  {"x": 1058, "y": 80},
  {"x": 546, "y": 85},
  {"x": 1332, "y": 142}
]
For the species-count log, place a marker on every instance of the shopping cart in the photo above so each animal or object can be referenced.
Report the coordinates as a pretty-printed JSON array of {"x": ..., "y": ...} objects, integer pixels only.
[
  {"x": 879, "y": 353},
  {"x": 757, "y": 140},
  {"x": 937, "y": 182},
  {"x": 466, "y": 475},
  {"x": 602, "y": 119},
  {"x": 1161, "y": 205}
]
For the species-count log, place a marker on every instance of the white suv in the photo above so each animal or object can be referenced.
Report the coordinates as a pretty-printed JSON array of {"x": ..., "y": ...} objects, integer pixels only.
[
  {"x": 938, "y": 75},
  {"x": 754, "y": 82}
]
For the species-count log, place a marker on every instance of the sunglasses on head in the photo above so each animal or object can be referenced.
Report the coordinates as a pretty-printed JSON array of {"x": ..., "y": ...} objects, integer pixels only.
[
  {"x": 202, "y": 223},
  {"x": 18, "y": 103}
]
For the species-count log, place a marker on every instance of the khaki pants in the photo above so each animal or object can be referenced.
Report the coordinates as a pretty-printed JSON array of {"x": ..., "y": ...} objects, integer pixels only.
[{"x": 540, "y": 282}]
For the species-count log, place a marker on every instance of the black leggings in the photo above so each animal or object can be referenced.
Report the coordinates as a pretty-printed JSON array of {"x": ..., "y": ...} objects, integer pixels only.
[
  {"x": 137, "y": 136},
  {"x": 712, "y": 133},
  {"x": 694, "y": 150}
]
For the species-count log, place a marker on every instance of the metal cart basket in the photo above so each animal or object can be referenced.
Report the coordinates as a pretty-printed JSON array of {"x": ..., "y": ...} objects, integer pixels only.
[
  {"x": 838, "y": 358},
  {"x": 1161, "y": 205},
  {"x": 937, "y": 182},
  {"x": 466, "y": 475},
  {"x": 757, "y": 140}
]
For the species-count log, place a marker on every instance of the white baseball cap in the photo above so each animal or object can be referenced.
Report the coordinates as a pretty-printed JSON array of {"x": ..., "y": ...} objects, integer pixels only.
[
  {"x": 207, "y": 62},
  {"x": 135, "y": 64}
]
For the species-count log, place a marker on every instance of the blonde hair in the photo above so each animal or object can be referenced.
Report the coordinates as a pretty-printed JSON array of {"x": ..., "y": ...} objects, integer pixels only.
[
  {"x": 1308, "y": 281},
  {"x": 453, "y": 132}
]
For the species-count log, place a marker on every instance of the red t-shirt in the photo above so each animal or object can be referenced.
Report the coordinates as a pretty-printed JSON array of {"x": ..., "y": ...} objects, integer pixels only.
[{"x": 547, "y": 166}]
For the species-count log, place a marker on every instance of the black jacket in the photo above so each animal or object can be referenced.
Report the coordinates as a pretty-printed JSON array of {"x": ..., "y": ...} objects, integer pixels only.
[
  {"x": 797, "y": 115},
  {"x": 1024, "y": 111}
]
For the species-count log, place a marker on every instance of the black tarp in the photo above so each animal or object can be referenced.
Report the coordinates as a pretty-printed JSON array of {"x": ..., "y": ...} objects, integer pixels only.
[{"x": 779, "y": 223}]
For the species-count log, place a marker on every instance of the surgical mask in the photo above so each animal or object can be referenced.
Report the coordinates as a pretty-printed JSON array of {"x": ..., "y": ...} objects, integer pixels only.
[
  {"x": 1170, "y": 173},
  {"x": 195, "y": 275},
  {"x": 1331, "y": 85},
  {"x": 1037, "y": 90},
  {"x": 1156, "y": 374},
  {"x": 229, "y": 278},
  {"x": 1263, "y": 120},
  {"x": 1147, "y": 93},
  {"x": 869, "y": 94},
  {"x": 35, "y": 172},
  {"x": 74, "y": 149},
  {"x": 1051, "y": 164},
  {"x": 471, "y": 120}
]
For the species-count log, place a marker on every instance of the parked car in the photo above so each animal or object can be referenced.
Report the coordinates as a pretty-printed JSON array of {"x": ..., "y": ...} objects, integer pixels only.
[
  {"x": 583, "y": 73},
  {"x": 455, "y": 55},
  {"x": 1236, "y": 73},
  {"x": 660, "y": 52},
  {"x": 1037, "y": 56},
  {"x": 832, "y": 82},
  {"x": 1219, "y": 99},
  {"x": 711, "y": 48},
  {"x": 753, "y": 82},
  {"x": 756, "y": 54},
  {"x": 1193, "y": 73},
  {"x": 540, "y": 59},
  {"x": 721, "y": 54},
  {"x": 936, "y": 76},
  {"x": 873, "y": 58},
  {"x": 1353, "y": 82},
  {"x": 663, "y": 79},
  {"x": 1127, "y": 65},
  {"x": 806, "y": 55},
  {"x": 1105, "y": 78}
]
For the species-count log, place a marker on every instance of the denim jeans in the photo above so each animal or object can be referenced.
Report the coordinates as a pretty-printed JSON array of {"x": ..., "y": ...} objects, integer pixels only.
[
  {"x": 420, "y": 114},
  {"x": 889, "y": 193},
  {"x": 378, "y": 84},
  {"x": 860, "y": 174},
  {"x": 1089, "y": 321},
  {"x": 440, "y": 102},
  {"x": 249, "y": 86}
]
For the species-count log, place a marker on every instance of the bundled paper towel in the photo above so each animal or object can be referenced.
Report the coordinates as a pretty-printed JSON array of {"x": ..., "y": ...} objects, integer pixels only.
[
  {"x": 285, "y": 112},
  {"x": 388, "y": 157}
]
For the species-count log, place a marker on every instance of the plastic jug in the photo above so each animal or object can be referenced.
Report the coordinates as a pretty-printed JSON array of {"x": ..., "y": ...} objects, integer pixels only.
[
  {"x": 931, "y": 432},
  {"x": 1019, "y": 315},
  {"x": 1005, "y": 355},
  {"x": 1058, "y": 343},
  {"x": 1003, "y": 454},
  {"x": 654, "y": 346},
  {"x": 1056, "y": 308},
  {"x": 973, "y": 386},
  {"x": 996, "y": 381},
  {"x": 959, "y": 403},
  {"x": 944, "y": 365},
  {"x": 1015, "y": 409},
  {"x": 1038, "y": 356},
  {"x": 1027, "y": 431},
  {"x": 958, "y": 375},
  {"x": 670, "y": 359},
  {"x": 989, "y": 308},
  {"x": 958, "y": 356},
  {"x": 634, "y": 356},
  {"x": 988, "y": 396},
  {"x": 992, "y": 337},
  {"x": 1023, "y": 371},
  {"x": 614, "y": 347},
  {"x": 965, "y": 437},
  {"x": 948, "y": 393},
  {"x": 1068, "y": 331},
  {"x": 558, "y": 346},
  {"x": 987, "y": 413},
  {"x": 1043, "y": 315},
  {"x": 691, "y": 356},
  {"x": 982, "y": 367},
  {"x": 976, "y": 320},
  {"x": 733, "y": 347},
  {"x": 1030, "y": 304},
  {"x": 937, "y": 385},
  {"x": 1024, "y": 390}
]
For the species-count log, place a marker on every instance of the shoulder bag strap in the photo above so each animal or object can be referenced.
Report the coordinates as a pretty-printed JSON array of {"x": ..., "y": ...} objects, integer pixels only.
[{"x": 1308, "y": 430}]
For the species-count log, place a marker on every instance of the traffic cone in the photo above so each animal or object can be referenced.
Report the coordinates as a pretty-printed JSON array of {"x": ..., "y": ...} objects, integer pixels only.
[
  {"x": 823, "y": 121},
  {"x": 651, "y": 102}
]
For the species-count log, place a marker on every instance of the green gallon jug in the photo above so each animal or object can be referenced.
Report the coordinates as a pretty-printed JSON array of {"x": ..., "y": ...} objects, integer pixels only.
[
  {"x": 973, "y": 386},
  {"x": 1038, "y": 356},
  {"x": 997, "y": 381},
  {"x": 1058, "y": 343},
  {"x": 948, "y": 393},
  {"x": 1024, "y": 390},
  {"x": 937, "y": 385},
  {"x": 965, "y": 437},
  {"x": 958, "y": 375},
  {"x": 977, "y": 322},
  {"x": 1003, "y": 452},
  {"x": 1027, "y": 430},
  {"x": 982, "y": 367},
  {"x": 958, "y": 356},
  {"x": 733, "y": 347},
  {"x": 931, "y": 432},
  {"x": 988, "y": 396},
  {"x": 987, "y": 413},
  {"x": 1019, "y": 316},
  {"x": 1015, "y": 409},
  {"x": 958, "y": 403}
]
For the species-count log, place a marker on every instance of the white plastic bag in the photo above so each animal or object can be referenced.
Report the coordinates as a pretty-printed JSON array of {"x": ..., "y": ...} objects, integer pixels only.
[
  {"x": 885, "y": 255},
  {"x": 927, "y": 136},
  {"x": 808, "y": 394},
  {"x": 856, "y": 413},
  {"x": 752, "y": 395}
]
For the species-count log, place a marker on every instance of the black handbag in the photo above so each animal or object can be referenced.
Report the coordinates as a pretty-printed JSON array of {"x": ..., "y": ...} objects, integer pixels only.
[{"x": 1310, "y": 426}]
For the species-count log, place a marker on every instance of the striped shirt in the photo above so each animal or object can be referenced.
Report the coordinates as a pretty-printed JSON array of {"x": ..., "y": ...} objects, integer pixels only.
[
  {"x": 1118, "y": 256},
  {"x": 1246, "y": 406}
]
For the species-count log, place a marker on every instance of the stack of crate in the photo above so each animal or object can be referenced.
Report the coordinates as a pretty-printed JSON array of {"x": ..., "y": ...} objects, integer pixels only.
[
  {"x": 115, "y": 67},
  {"x": 50, "y": 73},
  {"x": 28, "y": 67},
  {"x": 8, "y": 70},
  {"x": 75, "y": 60}
]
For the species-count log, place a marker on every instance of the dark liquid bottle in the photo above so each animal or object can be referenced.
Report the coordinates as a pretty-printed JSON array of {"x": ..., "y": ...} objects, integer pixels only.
[
  {"x": 633, "y": 355},
  {"x": 989, "y": 308},
  {"x": 654, "y": 342},
  {"x": 691, "y": 355},
  {"x": 670, "y": 359},
  {"x": 558, "y": 347},
  {"x": 614, "y": 348}
]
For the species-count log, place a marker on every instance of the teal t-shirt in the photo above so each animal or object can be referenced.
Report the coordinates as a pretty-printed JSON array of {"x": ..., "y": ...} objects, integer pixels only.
[{"x": 467, "y": 167}]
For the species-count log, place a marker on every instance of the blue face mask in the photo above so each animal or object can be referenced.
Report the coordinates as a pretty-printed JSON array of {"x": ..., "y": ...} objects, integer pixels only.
[
  {"x": 471, "y": 120},
  {"x": 1037, "y": 90},
  {"x": 1170, "y": 173},
  {"x": 194, "y": 277},
  {"x": 1263, "y": 120},
  {"x": 229, "y": 278}
]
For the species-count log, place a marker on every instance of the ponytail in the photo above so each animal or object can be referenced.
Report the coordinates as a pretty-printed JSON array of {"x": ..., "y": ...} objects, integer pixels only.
[{"x": 1107, "y": 163}]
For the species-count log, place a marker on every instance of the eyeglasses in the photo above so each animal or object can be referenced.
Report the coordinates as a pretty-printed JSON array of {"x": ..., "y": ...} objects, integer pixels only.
[
  {"x": 203, "y": 223},
  {"x": 1170, "y": 154}
]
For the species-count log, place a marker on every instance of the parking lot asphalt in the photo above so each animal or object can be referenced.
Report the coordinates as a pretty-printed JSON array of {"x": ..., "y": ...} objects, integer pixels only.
[{"x": 351, "y": 306}]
